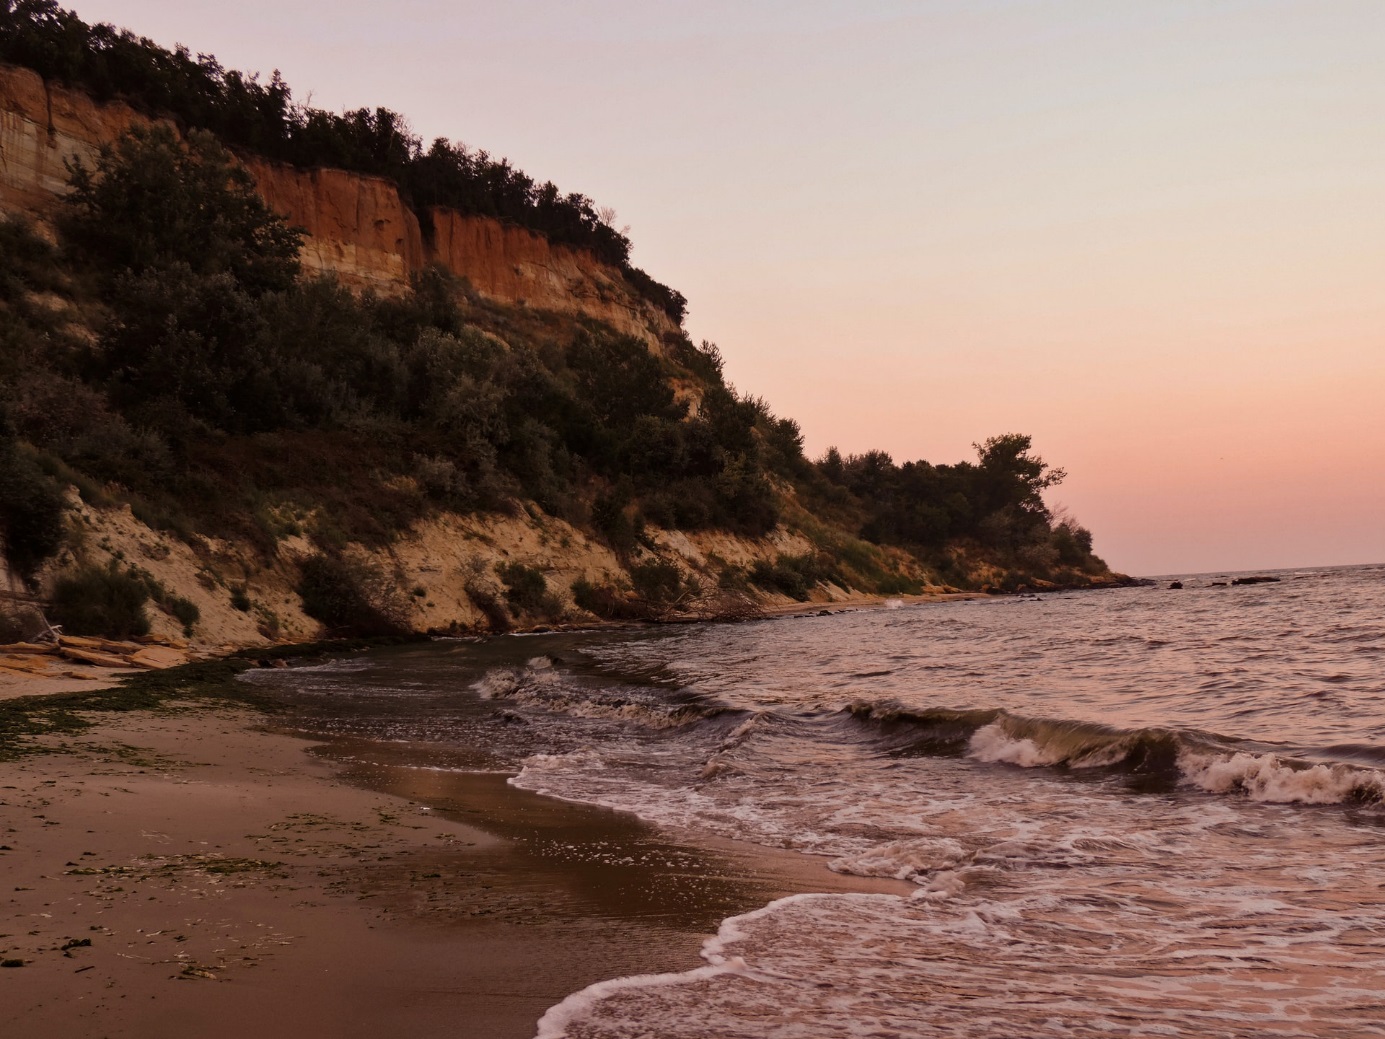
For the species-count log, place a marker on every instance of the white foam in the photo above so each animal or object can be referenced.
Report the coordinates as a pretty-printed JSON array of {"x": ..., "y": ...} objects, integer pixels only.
[
  {"x": 556, "y": 1020},
  {"x": 903, "y": 860},
  {"x": 1265, "y": 777},
  {"x": 992, "y": 743}
]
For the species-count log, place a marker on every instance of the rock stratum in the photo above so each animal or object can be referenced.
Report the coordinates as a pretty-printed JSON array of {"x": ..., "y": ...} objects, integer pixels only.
[{"x": 358, "y": 227}]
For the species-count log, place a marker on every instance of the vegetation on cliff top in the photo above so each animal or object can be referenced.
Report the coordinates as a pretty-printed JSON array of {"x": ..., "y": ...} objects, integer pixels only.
[{"x": 241, "y": 111}]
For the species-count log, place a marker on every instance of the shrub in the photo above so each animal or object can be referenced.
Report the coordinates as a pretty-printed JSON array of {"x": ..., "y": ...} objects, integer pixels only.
[
  {"x": 794, "y": 576},
  {"x": 525, "y": 586},
  {"x": 490, "y": 606},
  {"x": 31, "y": 514},
  {"x": 526, "y": 590},
  {"x": 606, "y": 601},
  {"x": 733, "y": 579},
  {"x": 20, "y": 623},
  {"x": 1074, "y": 544},
  {"x": 153, "y": 202},
  {"x": 657, "y": 580},
  {"x": 898, "y": 584},
  {"x": 27, "y": 261},
  {"x": 183, "y": 610},
  {"x": 103, "y": 601},
  {"x": 613, "y": 522},
  {"x": 240, "y": 600},
  {"x": 349, "y": 597}
]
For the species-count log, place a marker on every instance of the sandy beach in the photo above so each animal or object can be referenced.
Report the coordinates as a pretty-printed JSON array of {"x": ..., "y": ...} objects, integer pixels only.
[{"x": 187, "y": 872}]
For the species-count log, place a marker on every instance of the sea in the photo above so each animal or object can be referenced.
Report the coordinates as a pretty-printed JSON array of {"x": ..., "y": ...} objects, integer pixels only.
[{"x": 1144, "y": 811}]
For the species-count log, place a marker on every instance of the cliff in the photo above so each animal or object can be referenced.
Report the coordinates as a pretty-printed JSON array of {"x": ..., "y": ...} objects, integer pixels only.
[
  {"x": 359, "y": 228},
  {"x": 258, "y": 462}
]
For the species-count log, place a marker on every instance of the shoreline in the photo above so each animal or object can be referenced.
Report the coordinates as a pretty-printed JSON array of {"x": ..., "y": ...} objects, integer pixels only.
[
  {"x": 230, "y": 879},
  {"x": 77, "y": 677}
]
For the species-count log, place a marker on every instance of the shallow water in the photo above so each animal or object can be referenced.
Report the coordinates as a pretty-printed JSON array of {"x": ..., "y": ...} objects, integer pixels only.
[{"x": 1136, "y": 812}]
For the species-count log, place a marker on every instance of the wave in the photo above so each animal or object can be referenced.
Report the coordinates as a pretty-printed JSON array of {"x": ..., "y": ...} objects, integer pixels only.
[
  {"x": 1159, "y": 758},
  {"x": 540, "y": 686},
  {"x": 1150, "y": 759}
]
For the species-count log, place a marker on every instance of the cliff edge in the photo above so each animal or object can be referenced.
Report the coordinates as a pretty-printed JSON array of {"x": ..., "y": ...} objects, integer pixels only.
[{"x": 359, "y": 228}]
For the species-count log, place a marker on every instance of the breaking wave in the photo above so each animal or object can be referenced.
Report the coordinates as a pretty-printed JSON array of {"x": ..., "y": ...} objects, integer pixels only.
[{"x": 1179, "y": 757}]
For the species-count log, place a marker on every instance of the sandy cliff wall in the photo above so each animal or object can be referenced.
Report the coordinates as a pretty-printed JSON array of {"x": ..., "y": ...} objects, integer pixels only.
[
  {"x": 358, "y": 226},
  {"x": 513, "y": 264},
  {"x": 40, "y": 129}
]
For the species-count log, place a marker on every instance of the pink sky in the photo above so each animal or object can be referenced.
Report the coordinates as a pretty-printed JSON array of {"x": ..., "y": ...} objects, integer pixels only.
[{"x": 1152, "y": 235}]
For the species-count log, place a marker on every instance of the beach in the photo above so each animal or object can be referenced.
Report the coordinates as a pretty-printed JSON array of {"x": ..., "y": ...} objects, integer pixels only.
[
  {"x": 1140, "y": 810},
  {"x": 168, "y": 873}
]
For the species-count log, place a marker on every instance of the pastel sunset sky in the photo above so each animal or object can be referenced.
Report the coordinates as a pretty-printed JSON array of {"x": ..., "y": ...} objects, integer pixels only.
[{"x": 1151, "y": 234}]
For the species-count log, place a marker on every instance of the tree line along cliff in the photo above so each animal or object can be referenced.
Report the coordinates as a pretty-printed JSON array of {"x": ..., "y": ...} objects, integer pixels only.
[
  {"x": 165, "y": 346},
  {"x": 107, "y": 63}
]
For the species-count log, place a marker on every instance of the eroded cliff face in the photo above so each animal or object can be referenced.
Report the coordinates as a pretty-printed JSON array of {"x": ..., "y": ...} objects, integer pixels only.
[
  {"x": 515, "y": 265},
  {"x": 359, "y": 228},
  {"x": 40, "y": 129}
]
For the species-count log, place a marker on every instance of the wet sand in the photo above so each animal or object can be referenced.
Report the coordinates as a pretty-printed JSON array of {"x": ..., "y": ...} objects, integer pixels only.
[{"x": 231, "y": 882}]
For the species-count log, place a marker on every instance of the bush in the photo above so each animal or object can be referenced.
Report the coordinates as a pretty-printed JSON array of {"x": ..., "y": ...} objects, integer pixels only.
[
  {"x": 612, "y": 521},
  {"x": 349, "y": 597},
  {"x": 184, "y": 611},
  {"x": 31, "y": 514},
  {"x": 657, "y": 580},
  {"x": 491, "y": 607},
  {"x": 154, "y": 202},
  {"x": 794, "y": 576},
  {"x": 526, "y": 589},
  {"x": 20, "y": 623},
  {"x": 898, "y": 584},
  {"x": 606, "y": 601},
  {"x": 27, "y": 262},
  {"x": 102, "y": 601},
  {"x": 1074, "y": 544}
]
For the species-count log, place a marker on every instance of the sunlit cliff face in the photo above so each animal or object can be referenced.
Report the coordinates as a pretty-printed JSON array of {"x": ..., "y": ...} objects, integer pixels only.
[{"x": 1147, "y": 234}]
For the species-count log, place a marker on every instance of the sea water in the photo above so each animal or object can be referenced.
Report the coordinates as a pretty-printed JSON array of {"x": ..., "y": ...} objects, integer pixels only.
[{"x": 1143, "y": 812}]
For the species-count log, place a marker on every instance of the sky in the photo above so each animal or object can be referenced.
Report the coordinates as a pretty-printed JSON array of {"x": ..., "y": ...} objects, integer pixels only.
[{"x": 1148, "y": 233}]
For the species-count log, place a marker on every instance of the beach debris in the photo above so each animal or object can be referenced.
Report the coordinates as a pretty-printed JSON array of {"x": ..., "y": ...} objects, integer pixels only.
[{"x": 45, "y": 660}]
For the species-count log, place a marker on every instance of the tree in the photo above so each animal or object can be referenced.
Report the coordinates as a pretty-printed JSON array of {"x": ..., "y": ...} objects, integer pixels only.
[
  {"x": 1011, "y": 476},
  {"x": 31, "y": 511},
  {"x": 153, "y": 202}
]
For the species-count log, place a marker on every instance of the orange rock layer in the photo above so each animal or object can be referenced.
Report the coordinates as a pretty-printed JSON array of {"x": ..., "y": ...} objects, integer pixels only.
[{"x": 359, "y": 228}]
